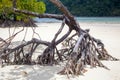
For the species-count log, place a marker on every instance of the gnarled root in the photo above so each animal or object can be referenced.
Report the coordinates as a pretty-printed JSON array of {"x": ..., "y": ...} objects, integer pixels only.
[{"x": 87, "y": 51}]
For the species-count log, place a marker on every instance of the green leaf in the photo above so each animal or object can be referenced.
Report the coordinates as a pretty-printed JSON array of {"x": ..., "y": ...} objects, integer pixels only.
[{"x": 30, "y": 5}]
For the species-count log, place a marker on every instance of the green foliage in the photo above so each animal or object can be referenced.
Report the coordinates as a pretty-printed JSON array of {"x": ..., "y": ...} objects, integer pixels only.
[
  {"x": 5, "y": 9},
  {"x": 31, "y": 5},
  {"x": 88, "y": 7}
]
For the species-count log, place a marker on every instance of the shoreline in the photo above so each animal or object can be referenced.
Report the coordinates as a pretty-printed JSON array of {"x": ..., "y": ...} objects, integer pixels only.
[{"x": 83, "y": 20}]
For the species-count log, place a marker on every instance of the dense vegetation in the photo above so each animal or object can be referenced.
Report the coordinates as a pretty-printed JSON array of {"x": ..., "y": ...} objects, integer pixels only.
[
  {"x": 89, "y": 7},
  {"x": 76, "y": 7},
  {"x": 6, "y": 12}
]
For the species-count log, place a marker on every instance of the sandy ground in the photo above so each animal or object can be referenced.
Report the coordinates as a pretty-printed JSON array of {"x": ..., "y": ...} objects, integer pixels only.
[{"x": 109, "y": 33}]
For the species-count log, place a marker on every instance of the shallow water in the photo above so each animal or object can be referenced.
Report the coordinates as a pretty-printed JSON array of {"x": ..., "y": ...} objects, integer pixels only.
[
  {"x": 99, "y": 19},
  {"x": 84, "y": 20}
]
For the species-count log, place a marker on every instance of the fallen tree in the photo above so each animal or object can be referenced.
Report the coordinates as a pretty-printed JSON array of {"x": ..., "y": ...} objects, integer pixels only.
[{"x": 85, "y": 50}]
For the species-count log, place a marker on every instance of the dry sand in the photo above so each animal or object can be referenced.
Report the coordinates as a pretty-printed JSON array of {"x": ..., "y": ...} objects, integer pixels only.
[{"x": 109, "y": 33}]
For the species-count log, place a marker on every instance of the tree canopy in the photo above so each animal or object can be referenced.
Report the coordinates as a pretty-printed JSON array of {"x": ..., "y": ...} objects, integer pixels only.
[
  {"x": 6, "y": 11},
  {"x": 89, "y": 7}
]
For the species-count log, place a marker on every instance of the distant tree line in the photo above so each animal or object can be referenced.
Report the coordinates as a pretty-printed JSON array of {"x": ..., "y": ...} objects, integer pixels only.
[{"x": 88, "y": 7}]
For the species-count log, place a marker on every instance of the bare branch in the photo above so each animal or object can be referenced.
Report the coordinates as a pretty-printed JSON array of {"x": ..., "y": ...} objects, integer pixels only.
[
  {"x": 59, "y": 31},
  {"x": 70, "y": 21},
  {"x": 59, "y": 17},
  {"x": 25, "y": 44}
]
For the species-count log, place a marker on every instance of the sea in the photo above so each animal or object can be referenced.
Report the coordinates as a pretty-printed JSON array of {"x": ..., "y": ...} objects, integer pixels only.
[{"x": 82, "y": 20}]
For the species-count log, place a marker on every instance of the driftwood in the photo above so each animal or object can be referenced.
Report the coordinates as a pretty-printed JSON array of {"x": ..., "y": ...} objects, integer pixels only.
[{"x": 85, "y": 50}]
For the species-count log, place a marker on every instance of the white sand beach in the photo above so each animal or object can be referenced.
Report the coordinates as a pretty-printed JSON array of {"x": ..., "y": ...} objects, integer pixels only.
[{"x": 109, "y": 33}]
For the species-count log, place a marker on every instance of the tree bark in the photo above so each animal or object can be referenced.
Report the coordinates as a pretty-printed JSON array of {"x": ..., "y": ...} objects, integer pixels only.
[
  {"x": 55, "y": 16},
  {"x": 86, "y": 50},
  {"x": 70, "y": 21}
]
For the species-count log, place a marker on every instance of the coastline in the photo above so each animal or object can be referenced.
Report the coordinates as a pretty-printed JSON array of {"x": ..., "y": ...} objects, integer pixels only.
[{"x": 108, "y": 33}]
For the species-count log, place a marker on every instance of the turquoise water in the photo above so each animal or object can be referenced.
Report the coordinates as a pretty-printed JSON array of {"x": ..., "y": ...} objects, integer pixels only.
[
  {"x": 99, "y": 19},
  {"x": 84, "y": 19}
]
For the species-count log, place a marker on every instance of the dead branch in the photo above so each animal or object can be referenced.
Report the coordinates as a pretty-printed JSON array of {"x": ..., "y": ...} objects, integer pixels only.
[
  {"x": 59, "y": 17},
  {"x": 85, "y": 50}
]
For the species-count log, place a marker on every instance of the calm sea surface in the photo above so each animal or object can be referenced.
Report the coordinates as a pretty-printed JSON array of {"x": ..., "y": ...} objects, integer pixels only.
[{"x": 84, "y": 20}]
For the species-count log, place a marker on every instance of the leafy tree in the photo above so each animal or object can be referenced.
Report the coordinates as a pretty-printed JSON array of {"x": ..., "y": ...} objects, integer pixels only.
[{"x": 6, "y": 11}]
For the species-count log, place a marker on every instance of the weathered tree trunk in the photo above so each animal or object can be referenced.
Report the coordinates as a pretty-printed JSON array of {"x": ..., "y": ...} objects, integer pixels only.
[
  {"x": 70, "y": 21},
  {"x": 86, "y": 50},
  {"x": 78, "y": 59}
]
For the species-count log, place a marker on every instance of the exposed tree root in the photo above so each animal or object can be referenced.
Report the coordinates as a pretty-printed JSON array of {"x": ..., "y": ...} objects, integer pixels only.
[
  {"x": 79, "y": 50},
  {"x": 87, "y": 51}
]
